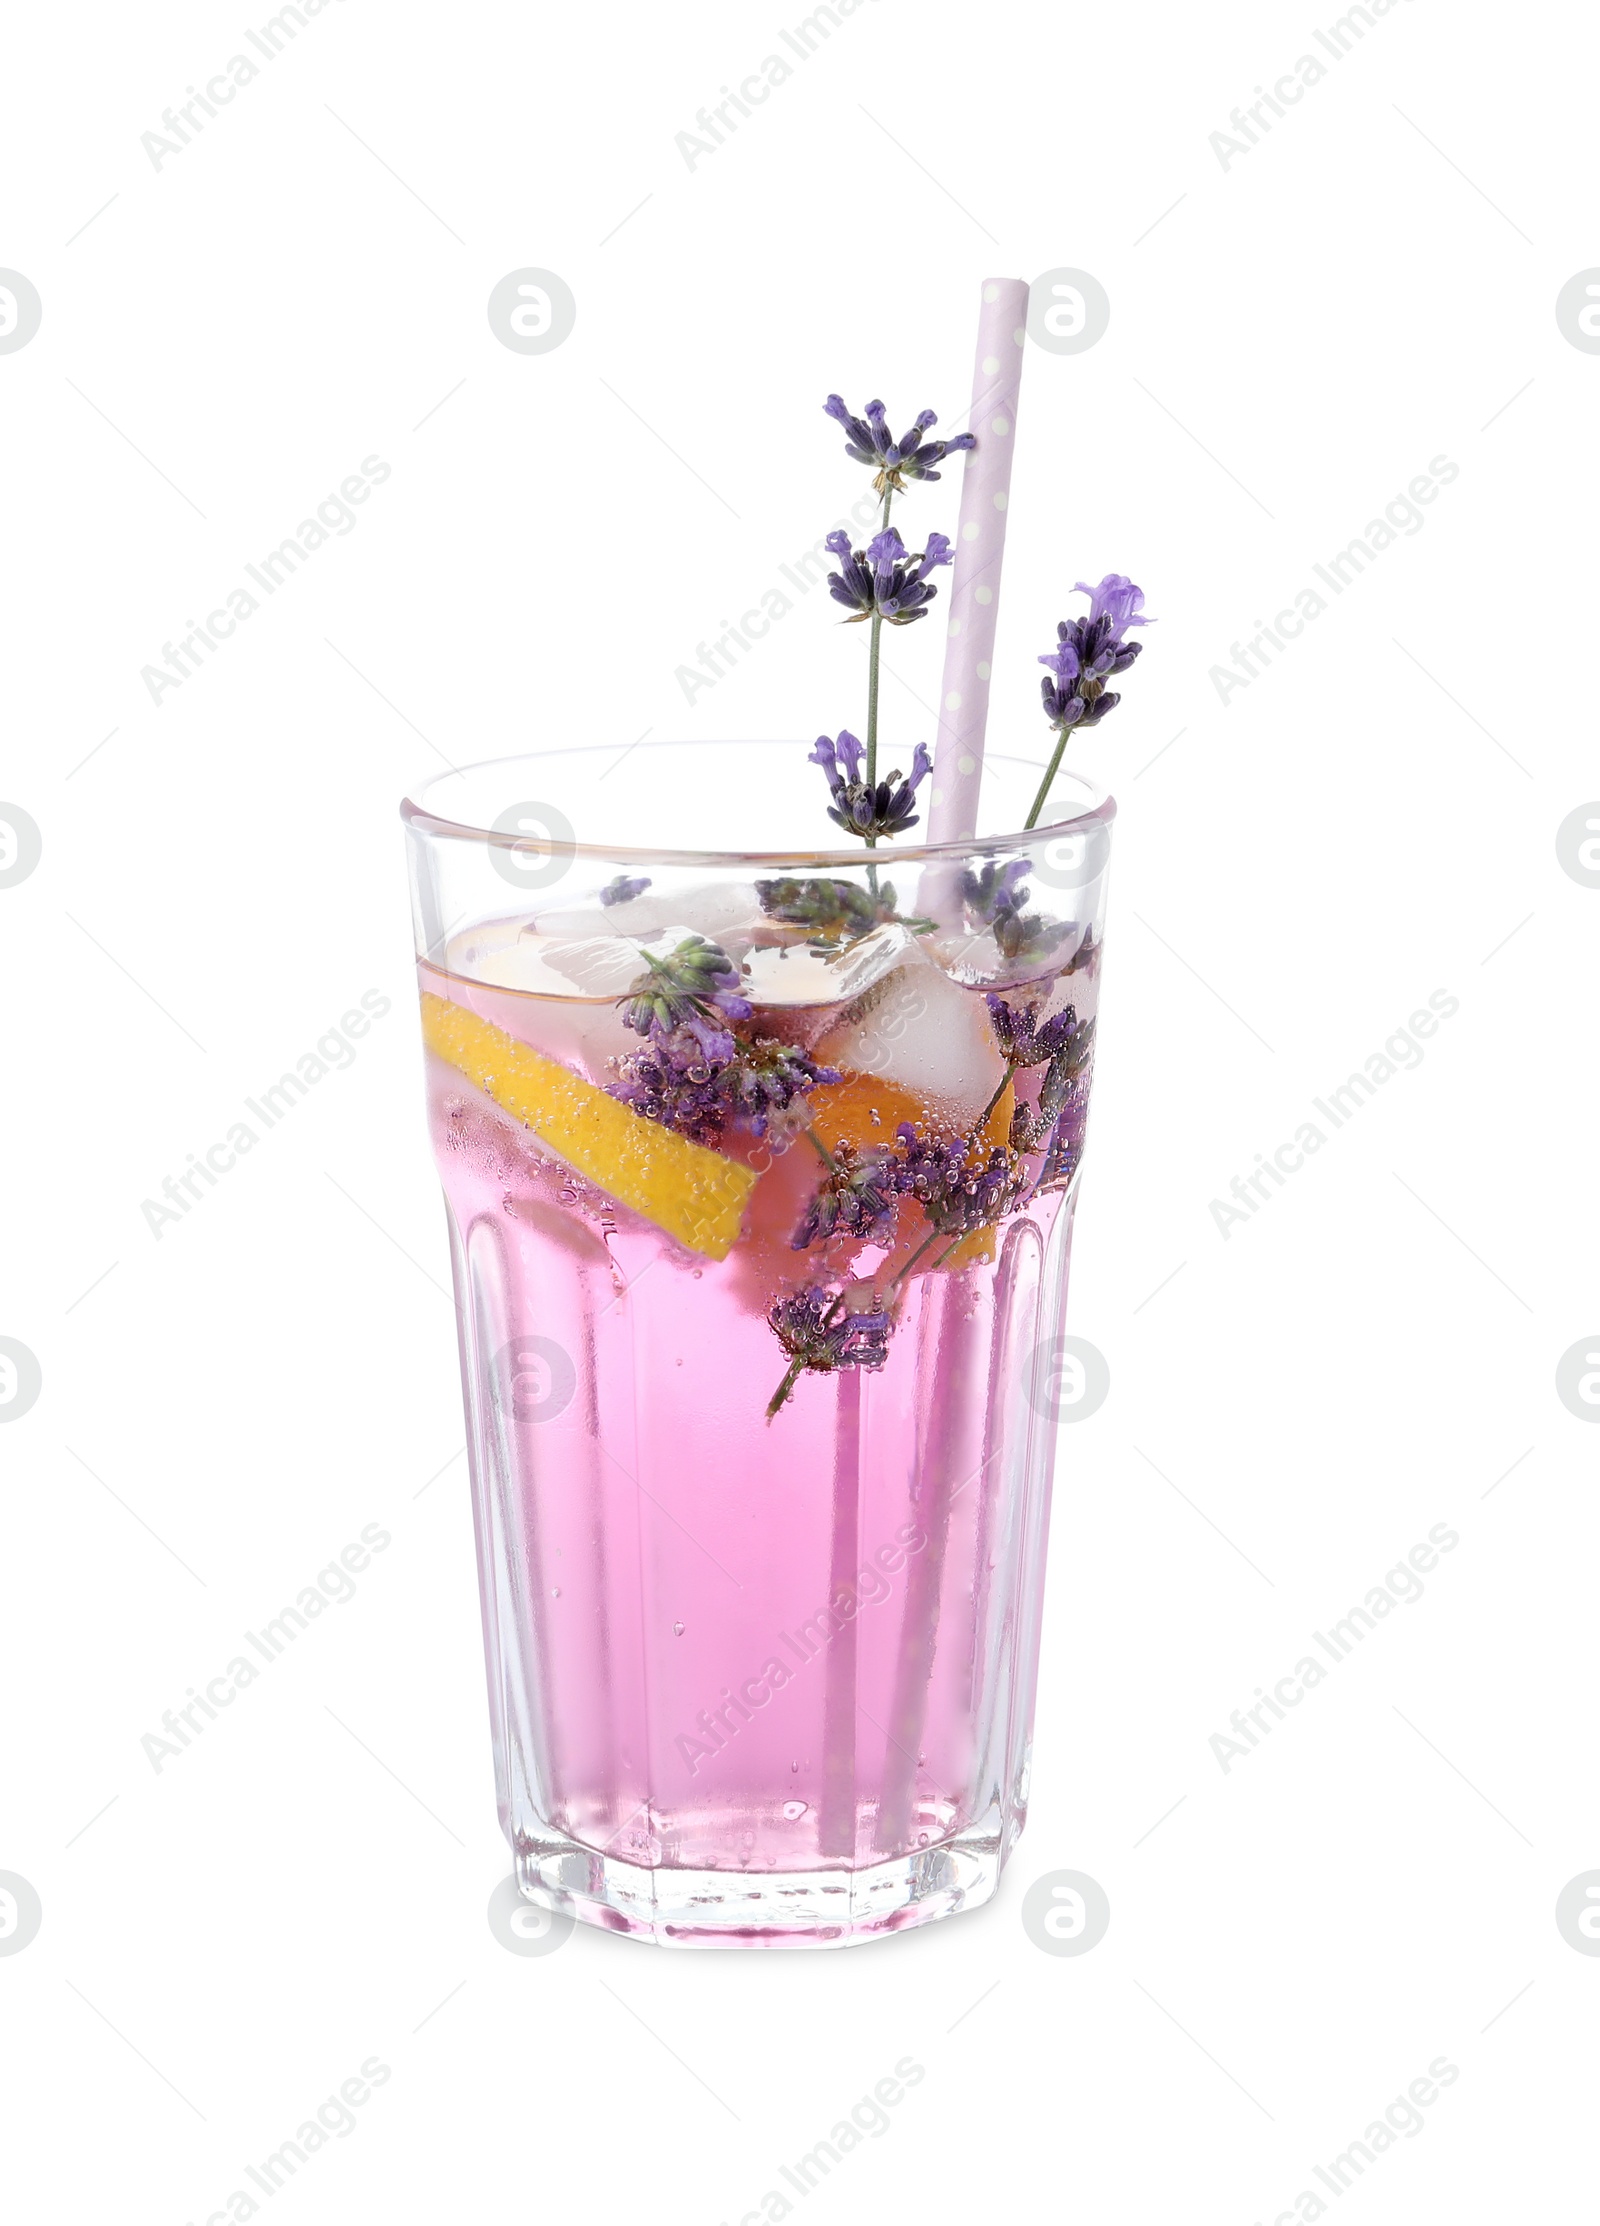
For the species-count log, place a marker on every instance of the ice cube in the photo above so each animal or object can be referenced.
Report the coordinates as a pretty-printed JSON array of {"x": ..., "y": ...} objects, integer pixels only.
[
  {"x": 918, "y": 1029},
  {"x": 971, "y": 955},
  {"x": 599, "y": 966},
  {"x": 796, "y": 974},
  {"x": 723, "y": 912},
  {"x": 510, "y": 978},
  {"x": 604, "y": 965}
]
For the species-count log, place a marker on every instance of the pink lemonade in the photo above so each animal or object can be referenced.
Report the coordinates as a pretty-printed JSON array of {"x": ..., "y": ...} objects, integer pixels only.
[{"x": 760, "y": 1677}]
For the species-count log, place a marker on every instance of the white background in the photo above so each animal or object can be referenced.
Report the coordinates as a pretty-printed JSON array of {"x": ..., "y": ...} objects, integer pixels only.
[{"x": 1293, "y": 338}]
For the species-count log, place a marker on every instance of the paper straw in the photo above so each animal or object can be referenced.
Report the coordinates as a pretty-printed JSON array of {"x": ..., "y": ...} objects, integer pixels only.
[
  {"x": 980, "y": 545},
  {"x": 944, "y": 1464}
]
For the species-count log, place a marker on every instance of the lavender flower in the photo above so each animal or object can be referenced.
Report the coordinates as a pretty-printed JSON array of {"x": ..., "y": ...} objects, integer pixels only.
[
  {"x": 884, "y": 580},
  {"x": 835, "y": 911},
  {"x": 881, "y": 808},
  {"x": 1062, "y": 1159},
  {"x": 622, "y": 890},
  {"x": 857, "y": 1198},
  {"x": 1071, "y": 1049},
  {"x": 767, "y": 1078},
  {"x": 1024, "y": 1042},
  {"x": 995, "y": 896},
  {"x": 1115, "y": 602},
  {"x": 959, "y": 1185},
  {"x": 1086, "y": 958},
  {"x": 817, "y": 1332},
  {"x": 910, "y": 457},
  {"x": 695, "y": 987},
  {"x": 1088, "y": 651},
  {"x": 672, "y": 1081}
]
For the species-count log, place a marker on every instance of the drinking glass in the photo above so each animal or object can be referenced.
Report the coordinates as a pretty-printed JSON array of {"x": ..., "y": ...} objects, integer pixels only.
[{"x": 762, "y": 1375}]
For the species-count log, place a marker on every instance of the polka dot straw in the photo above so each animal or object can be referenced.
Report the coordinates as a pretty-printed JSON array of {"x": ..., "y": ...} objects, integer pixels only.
[{"x": 980, "y": 544}]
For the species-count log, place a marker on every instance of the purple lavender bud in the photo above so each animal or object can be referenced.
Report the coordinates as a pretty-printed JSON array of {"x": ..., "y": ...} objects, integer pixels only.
[
  {"x": 895, "y": 462},
  {"x": 851, "y": 752},
  {"x": 959, "y": 1184},
  {"x": 885, "y": 550},
  {"x": 696, "y": 986},
  {"x": 1023, "y": 1042},
  {"x": 995, "y": 897},
  {"x": 670, "y": 1080},
  {"x": 885, "y": 580},
  {"x": 1117, "y": 599},
  {"x": 814, "y": 1328},
  {"x": 856, "y": 1199},
  {"x": 883, "y": 807},
  {"x": 1089, "y": 651}
]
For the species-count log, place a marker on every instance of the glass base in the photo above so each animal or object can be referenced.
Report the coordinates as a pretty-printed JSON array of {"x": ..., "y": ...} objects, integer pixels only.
[{"x": 680, "y": 1908}]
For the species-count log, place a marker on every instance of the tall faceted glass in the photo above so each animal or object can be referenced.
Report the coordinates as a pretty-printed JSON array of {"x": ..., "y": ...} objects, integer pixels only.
[{"x": 761, "y": 1360}]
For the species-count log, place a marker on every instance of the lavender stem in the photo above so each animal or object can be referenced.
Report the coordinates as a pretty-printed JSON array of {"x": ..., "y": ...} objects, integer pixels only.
[
  {"x": 982, "y": 1122},
  {"x": 872, "y": 677},
  {"x": 1044, "y": 785},
  {"x": 817, "y": 1145},
  {"x": 791, "y": 1377}
]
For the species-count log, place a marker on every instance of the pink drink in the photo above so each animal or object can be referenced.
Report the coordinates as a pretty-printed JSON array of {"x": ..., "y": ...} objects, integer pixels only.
[{"x": 753, "y": 1679}]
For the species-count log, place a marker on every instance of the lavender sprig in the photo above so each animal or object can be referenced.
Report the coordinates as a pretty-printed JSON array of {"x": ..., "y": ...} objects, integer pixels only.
[
  {"x": 673, "y": 1082},
  {"x": 817, "y": 1332},
  {"x": 856, "y": 1198},
  {"x": 1088, "y": 652},
  {"x": 766, "y": 1078},
  {"x": 1026, "y": 1041},
  {"x": 866, "y": 807},
  {"x": 1062, "y": 1159},
  {"x": 885, "y": 580},
  {"x": 996, "y": 897},
  {"x": 835, "y": 912},
  {"x": 696, "y": 986},
  {"x": 960, "y": 1185},
  {"x": 1060, "y": 1045},
  {"x": 869, "y": 441}
]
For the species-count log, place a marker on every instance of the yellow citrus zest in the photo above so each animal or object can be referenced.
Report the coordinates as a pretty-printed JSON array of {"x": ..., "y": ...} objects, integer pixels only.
[{"x": 694, "y": 1194}]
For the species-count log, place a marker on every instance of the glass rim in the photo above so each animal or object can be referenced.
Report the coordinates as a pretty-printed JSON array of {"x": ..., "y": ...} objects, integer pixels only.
[{"x": 1100, "y": 811}]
